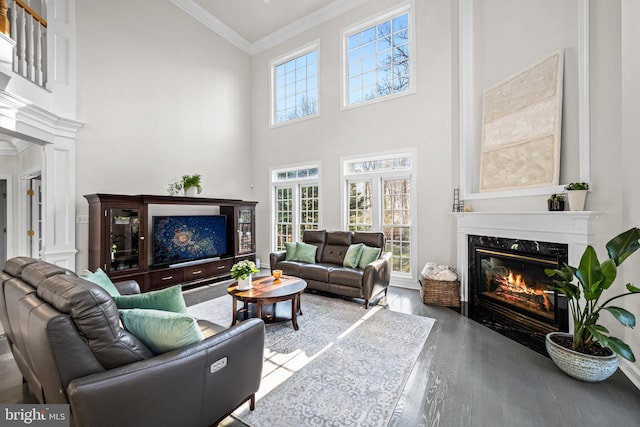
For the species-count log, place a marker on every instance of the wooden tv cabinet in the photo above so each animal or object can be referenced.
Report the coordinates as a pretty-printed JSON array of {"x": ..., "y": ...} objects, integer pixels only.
[{"x": 119, "y": 239}]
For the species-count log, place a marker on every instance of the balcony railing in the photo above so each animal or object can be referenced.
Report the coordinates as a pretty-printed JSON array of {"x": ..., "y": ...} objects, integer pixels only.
[{"x": 29, "y": 30}]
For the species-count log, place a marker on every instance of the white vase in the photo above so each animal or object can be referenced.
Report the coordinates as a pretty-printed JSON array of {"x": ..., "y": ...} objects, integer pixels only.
[
  {"x": 191, "y": 192},
  {"x": 245, "y": 284},
  {"x": 576, "y": 199}
]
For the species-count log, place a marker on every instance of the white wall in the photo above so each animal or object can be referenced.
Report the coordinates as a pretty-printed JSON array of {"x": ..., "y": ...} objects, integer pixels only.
[
  {"x": 422, "y": 120},
  {"x": 630, "y": 155},
  {"x": 161, "y": 96}
]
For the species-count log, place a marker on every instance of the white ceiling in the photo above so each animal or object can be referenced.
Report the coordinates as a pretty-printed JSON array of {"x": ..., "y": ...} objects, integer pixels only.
[
  {"x": 256, "y": 19},
  {"x": 256, "y": 25}
]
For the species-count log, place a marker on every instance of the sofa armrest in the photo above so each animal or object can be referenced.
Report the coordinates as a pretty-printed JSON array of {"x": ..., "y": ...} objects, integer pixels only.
[
  {"x": 377, "y": 276},
  {"x": 195, "y": 385},
  {"x": 275, "y": 258},
  {"x": 127, "y": 287}
]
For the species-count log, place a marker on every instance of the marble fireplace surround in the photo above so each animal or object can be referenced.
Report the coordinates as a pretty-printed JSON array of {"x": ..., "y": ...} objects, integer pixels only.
[{"x": 573, "y": 228}]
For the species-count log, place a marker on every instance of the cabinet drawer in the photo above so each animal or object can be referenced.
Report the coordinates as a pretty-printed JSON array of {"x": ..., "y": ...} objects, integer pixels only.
[
  {"x": 197, "y": 272},
  {"x": 164, "y": 278},
  {"x": 221, "y": 268}
]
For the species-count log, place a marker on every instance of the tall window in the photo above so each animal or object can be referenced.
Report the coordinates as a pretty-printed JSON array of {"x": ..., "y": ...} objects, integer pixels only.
[
  {"x": 296, "y": 203},
  {"x": 295, "y": 85},
  {"x": 379, "y": 197},
  {"x": 378, "y": 58}
]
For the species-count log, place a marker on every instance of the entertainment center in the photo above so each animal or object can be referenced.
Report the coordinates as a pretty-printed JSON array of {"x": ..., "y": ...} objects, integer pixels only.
[{"x": 160, "y": 241}]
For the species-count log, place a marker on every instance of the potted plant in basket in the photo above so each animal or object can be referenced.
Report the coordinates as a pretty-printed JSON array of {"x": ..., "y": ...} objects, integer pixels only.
[
  {"x": 242, "y": 271},
  {"x": 577, "y": 194},
  {"x": 589, "y": 353},
  {"x": 555, "y": 202}
]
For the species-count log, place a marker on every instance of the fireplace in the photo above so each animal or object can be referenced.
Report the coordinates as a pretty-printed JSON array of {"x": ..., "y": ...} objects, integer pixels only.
[{"x": 509, "y": 291}]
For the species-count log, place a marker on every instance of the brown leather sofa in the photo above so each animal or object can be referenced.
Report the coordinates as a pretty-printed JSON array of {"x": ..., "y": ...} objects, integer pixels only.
[
  {"x": 66, "y": 339},
  {"x": 328, "y": 272}
]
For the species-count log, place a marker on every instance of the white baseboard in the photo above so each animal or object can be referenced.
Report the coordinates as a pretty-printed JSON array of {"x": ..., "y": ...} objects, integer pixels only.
[{"x": 631, "y": 370}]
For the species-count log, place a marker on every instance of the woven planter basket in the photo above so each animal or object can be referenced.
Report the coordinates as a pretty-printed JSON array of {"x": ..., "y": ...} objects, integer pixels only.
[{"x": 440, "y": 292}]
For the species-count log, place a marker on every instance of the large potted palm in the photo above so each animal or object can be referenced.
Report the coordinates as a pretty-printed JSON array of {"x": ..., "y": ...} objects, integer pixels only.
[{"x": 590, "y": 353}]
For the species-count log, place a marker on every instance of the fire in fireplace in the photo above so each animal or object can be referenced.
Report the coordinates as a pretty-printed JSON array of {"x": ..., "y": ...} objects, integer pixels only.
[{"x": 509, "y": 291}]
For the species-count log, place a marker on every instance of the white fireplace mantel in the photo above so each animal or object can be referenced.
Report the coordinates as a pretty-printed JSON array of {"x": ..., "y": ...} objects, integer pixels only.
[{"x": 573, "y": 228}]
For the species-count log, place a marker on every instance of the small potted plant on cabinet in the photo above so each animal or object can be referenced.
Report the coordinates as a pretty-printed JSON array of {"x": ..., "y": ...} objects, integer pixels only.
[
  {"x": 191, "y": 184},
  {"x": 590, "y": 353},
  {"x": 577, "y": 194},
  {"x": 555, "y": 202}
]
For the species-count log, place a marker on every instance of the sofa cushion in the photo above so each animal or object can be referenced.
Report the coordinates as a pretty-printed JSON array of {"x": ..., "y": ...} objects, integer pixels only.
[
  {"x": 346, "y": 276},
  {"x": 14, "y": 266},
  {"x": 101, "y": 279},
  {"x": 291, "y": 248},
  {"x": 368, "y": 255},
  {"x": 352, "y": 257},
  {"x": 169, "y": 299},
  {"x": 34, "y": 274},
  {"x": 161, "y": 330},
  {"x": 317, "y": 239},
  {"x": 339, "y": 238},
  {"x": 96, "y": 316},
  {"x": 369, "y": 238},
  {"x": 306, "y": 253},
  {"x": 318, "y": 272},
  {"x": 290, "y": 268}
]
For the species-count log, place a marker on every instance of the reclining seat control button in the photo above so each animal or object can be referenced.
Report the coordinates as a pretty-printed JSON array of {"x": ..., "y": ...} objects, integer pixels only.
[{"x": 217, "y": 365}]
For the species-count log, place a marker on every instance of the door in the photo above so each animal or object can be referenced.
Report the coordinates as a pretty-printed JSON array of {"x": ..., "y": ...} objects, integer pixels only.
[{"x": 3, "y": 222}]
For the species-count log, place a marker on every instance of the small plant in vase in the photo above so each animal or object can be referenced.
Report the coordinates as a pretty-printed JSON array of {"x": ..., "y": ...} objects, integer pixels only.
[
  {"x": 242, "y": 271},
  {"x": 555, "y": 202},
  {"x": 191, "y": 184},
  {"x": 577, "y": 194}
]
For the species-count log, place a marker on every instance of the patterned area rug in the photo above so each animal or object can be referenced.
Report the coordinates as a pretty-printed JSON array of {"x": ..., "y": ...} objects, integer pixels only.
[{"x": 345, "y": 366}]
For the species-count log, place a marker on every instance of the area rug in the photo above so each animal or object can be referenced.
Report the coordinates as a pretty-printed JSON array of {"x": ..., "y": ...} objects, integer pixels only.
[{"x": 345, "y": 366}]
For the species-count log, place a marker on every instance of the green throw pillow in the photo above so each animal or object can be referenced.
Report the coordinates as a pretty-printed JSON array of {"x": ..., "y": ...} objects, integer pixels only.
[
  {"x": 291, "y": 249},
  {"x": 169, "y": 299},
  {"x": 306, "y": 253},
  {"x": 369, "y": 255},
  {"x": 352, "y": 257},
  {"x": 161, "y": 331},
  {"x": 101, "y": 279}
]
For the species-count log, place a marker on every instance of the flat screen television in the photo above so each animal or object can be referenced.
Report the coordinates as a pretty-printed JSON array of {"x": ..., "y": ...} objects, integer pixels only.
[{"x": 182, "y": 238}]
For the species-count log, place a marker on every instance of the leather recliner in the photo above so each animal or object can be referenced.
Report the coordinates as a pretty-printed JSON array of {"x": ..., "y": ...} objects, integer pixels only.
[{"x": 66, "y": 339}]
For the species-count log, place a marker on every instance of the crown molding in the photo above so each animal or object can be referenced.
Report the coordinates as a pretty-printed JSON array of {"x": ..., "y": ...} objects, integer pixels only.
[
  {"x": 324, "y": 14},
  {"x": 214, "y": 24},
  {"x": 320, "y": 16}
]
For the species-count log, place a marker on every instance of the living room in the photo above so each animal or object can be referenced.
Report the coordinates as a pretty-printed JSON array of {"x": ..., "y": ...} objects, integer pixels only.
[{"x": 160, "y": 94}]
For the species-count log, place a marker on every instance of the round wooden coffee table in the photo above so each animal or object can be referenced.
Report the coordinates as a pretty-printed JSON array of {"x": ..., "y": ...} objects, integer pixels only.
[{"x": 267, "y": 290}]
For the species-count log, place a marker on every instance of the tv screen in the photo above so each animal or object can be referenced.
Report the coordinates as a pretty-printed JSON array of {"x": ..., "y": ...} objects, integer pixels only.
[{"x": 190, "y": 237}]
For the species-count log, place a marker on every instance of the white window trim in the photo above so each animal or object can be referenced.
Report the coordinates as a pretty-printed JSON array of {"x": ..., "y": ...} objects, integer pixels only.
[
  {"x": 399, "y": 279},
  {"x": 273, "y": 63},
  {"x": 294, "y": 183},
  {"x": 404, "y": 7}
]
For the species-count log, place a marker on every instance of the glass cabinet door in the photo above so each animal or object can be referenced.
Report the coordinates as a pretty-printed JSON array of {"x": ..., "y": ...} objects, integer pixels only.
[
  {"x": 245, "y": 230},
  {"x": 124, "y": 229}
]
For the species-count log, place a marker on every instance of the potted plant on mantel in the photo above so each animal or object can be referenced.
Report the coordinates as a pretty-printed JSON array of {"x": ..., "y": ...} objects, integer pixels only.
[
  {"x": 555, "y": 202},
  {"x": 577, "y": 194},
  {"x": 191, "y": 185},
  {"x": 242, "y": 272},
  {"x": 590, "y": 354}
]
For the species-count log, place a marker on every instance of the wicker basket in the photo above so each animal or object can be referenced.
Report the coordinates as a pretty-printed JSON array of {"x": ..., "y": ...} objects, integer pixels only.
[{"x": 440, "y": 292}]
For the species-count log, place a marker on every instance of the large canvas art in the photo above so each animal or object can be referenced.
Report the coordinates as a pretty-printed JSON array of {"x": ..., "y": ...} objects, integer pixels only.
[{"x": 521, "y": 128}]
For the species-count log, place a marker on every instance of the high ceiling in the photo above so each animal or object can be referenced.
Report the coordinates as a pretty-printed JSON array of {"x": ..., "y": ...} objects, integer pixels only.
[
  {"x": 256, "y": 25},
  {"x": 255, "y": 19}
]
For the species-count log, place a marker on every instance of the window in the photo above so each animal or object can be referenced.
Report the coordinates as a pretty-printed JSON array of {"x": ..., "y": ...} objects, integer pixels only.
[
  {"x": 378, "y": 58},
  {"x": 296, "y": 203},
  {"x": 295, "y": 85},
  {"x": 379, "y": 194}
]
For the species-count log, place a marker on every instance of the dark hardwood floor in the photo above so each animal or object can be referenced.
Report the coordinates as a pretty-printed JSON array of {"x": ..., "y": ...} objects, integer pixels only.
[{"x": 467, "y": 375}]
